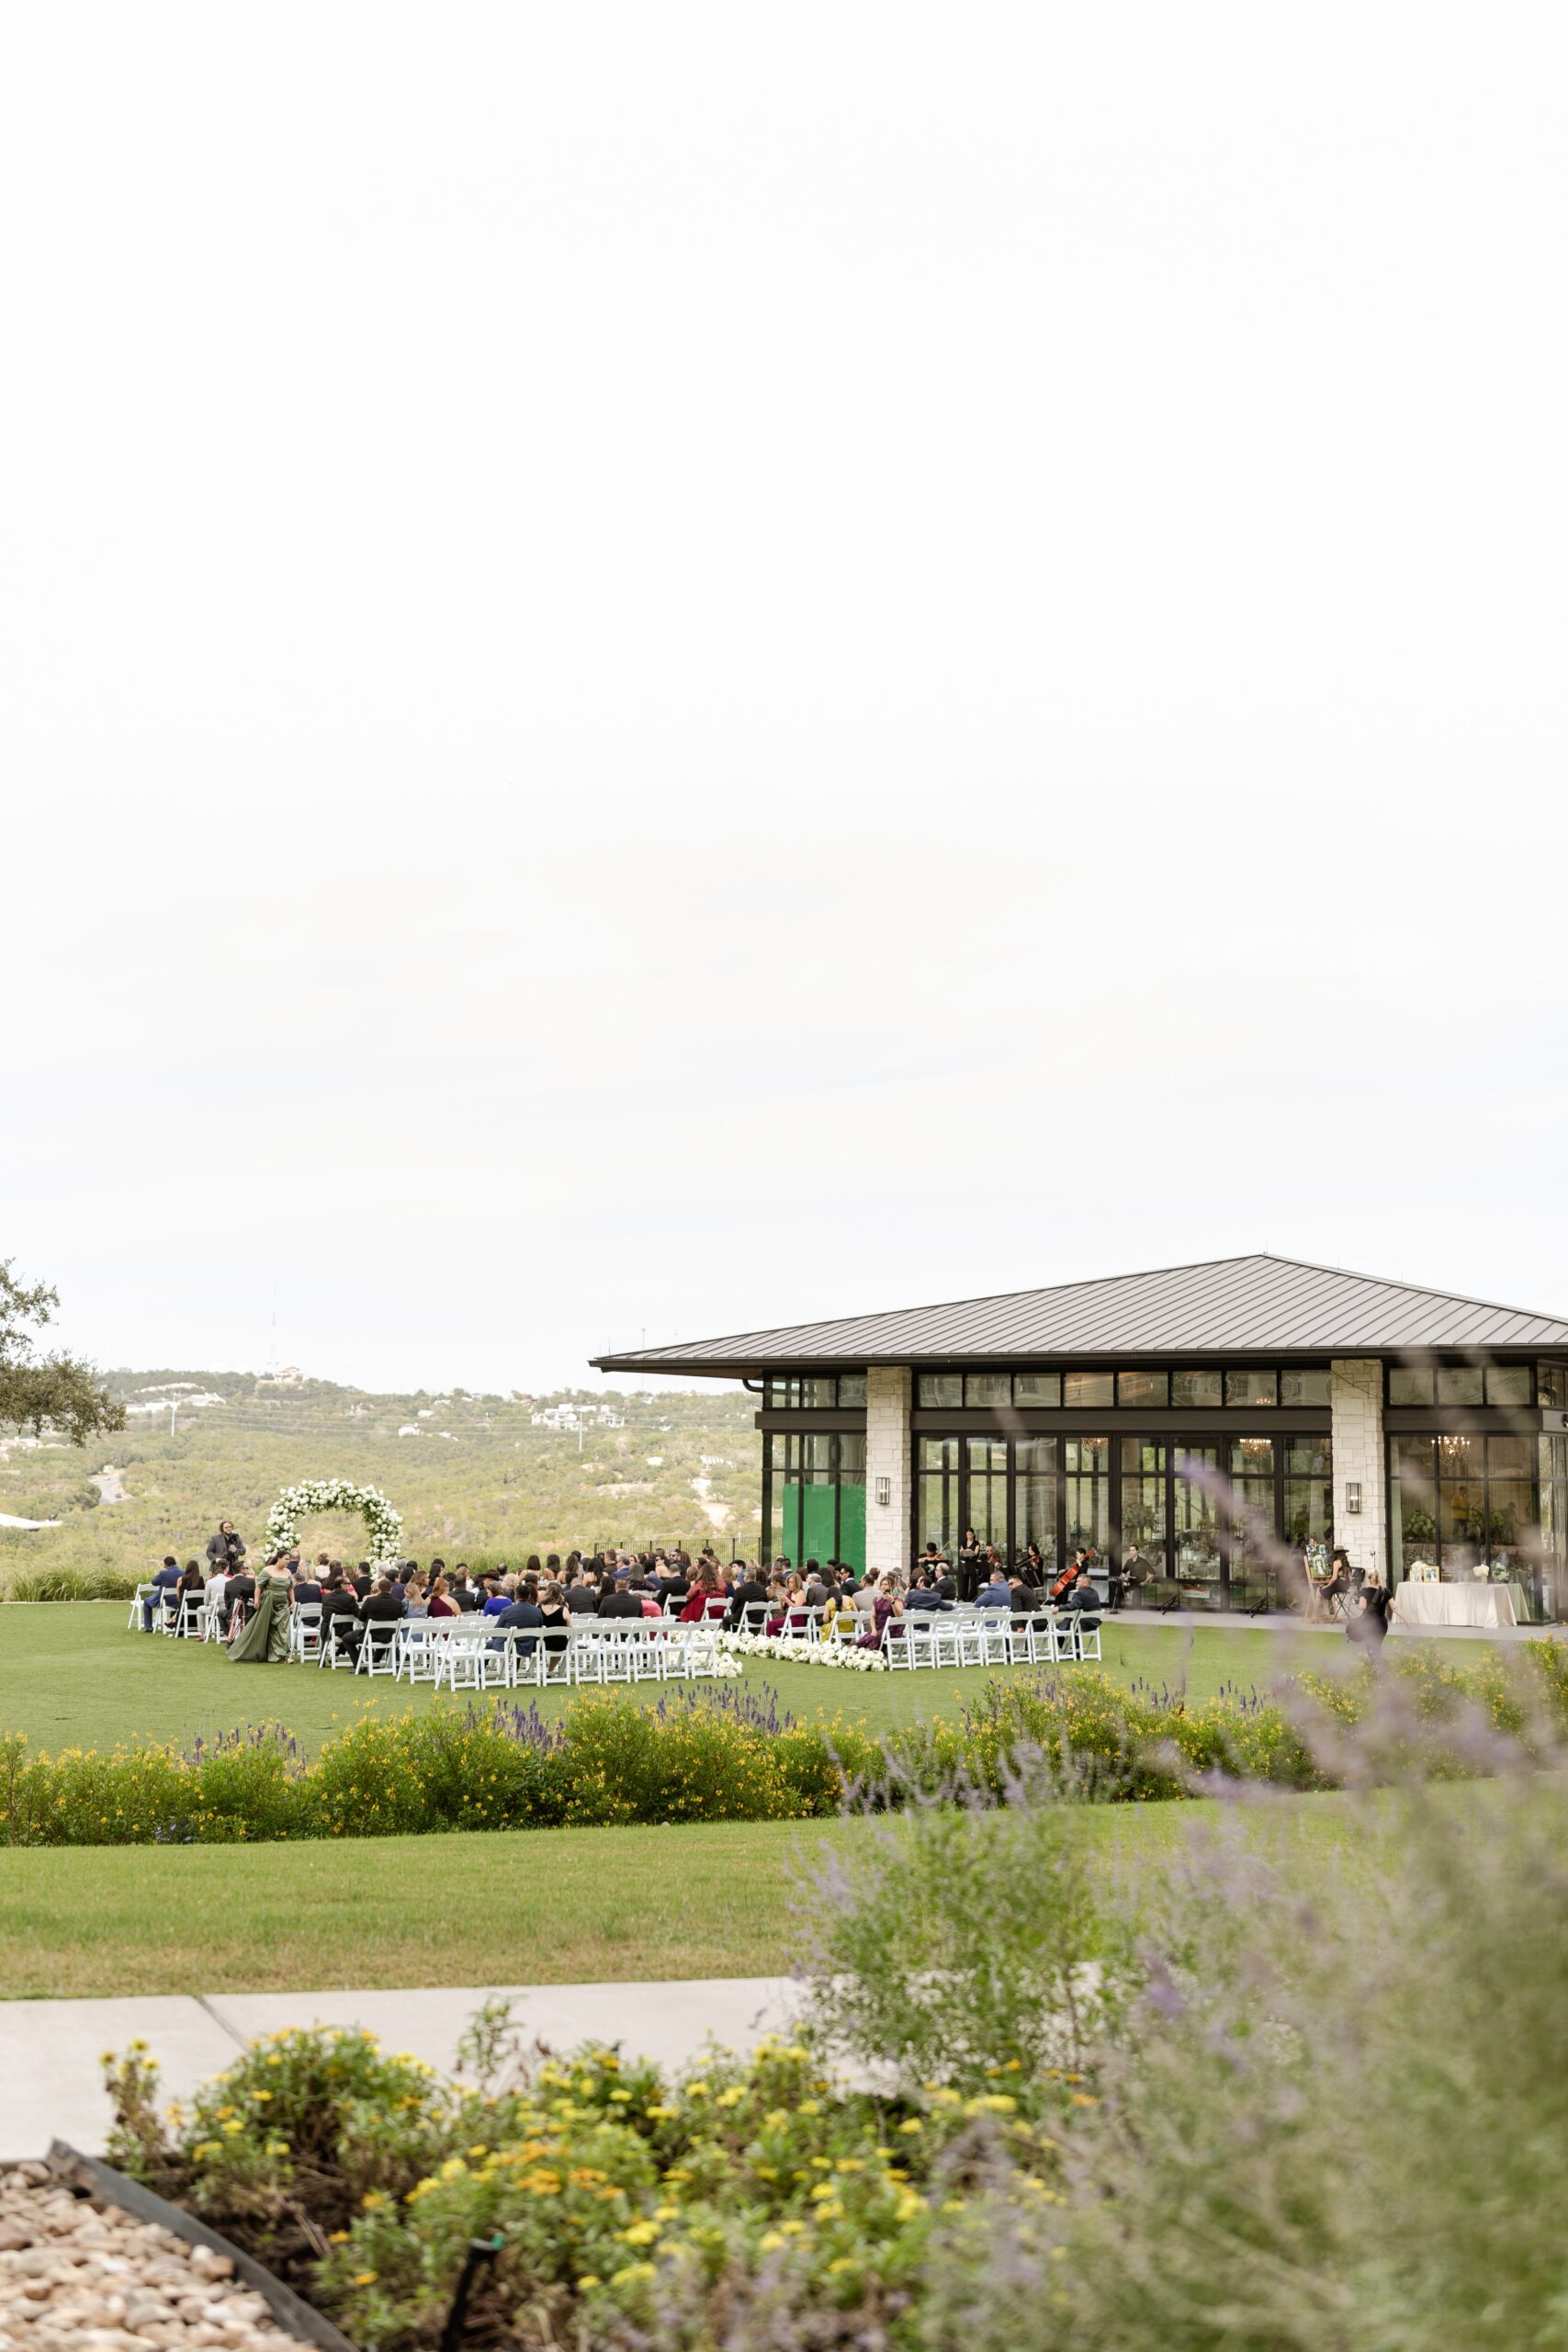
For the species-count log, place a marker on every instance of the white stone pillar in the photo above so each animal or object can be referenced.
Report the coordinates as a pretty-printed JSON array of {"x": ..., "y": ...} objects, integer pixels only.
[
  {"x": 888, "y": 1468},
  {"x": 1359, "y": 1458}
]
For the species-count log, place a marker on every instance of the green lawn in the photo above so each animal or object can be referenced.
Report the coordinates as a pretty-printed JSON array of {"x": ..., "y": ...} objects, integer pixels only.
[
  {"x": 556, "y": 1906},
  {"x": 71, "y": 1677}
]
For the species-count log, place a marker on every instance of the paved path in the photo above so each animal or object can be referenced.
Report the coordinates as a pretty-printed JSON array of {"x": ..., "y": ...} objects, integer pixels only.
[
  {"x": 50, "y": 2051},
  {"x": 1233, "y": 1621}
]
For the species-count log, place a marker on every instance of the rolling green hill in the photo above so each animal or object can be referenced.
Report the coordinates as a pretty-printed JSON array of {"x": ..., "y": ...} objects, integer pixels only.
[{"x": 473, "y": 1476}]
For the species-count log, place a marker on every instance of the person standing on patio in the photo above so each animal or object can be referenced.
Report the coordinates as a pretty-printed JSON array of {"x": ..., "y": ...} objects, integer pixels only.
[
  {"x": 970, "y": 1556},
  {"x": 263, "y": 1639}
]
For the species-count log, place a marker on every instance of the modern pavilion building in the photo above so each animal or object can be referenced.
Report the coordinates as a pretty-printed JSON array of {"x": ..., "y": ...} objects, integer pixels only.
[{"x": 1221, "y": 1416}]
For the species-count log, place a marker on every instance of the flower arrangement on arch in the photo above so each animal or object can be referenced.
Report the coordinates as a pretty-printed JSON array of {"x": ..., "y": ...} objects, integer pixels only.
[{"x": 383, "y": 1525}]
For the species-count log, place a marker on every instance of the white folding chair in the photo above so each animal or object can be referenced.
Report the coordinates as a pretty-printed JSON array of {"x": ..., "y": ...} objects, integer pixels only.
[
  {"x": 524, "y": 1657},
  {"x": 585, "y": 1656},
  {"x": 1087, "y": 1639},
  {"x": 166, "y": 1611},
  {"x": 558, "y": 1652},
  {"x": 919, "y": 1639},
  {"x": 416, "y": 1649},
  {"x": 138, "y": 1623},
  {"x": 648, "y": 1641},
  {"x": 699, "y": 1651},
  {"x": 616, "y": 1652},
  {"x": 191, "y": 1625},
  {"x": 896, "y": 1645},
  {"x": 754, "y": 1616},
  {"x": 379, "y": 1651},
  {"x": 996, "y": 1638},
  {"x": 305, "y": 1630},
  {"x": 1032, "y": 1638},
  {"x": 336, "y": 1650},
  {"x": 969, "y": 1626}
]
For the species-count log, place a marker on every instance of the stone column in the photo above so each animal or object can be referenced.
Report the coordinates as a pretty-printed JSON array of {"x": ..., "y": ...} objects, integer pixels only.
[
  {"x": 1359, "y": 1458},
  {"x": 888, "y": 1457}
]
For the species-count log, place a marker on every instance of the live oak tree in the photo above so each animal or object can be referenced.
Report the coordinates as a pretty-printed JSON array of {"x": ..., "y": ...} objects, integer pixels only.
[{"x": 39, "y": 1388}]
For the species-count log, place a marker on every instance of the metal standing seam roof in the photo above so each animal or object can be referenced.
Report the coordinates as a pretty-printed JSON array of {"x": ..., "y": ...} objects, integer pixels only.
[{"x": 1223, "y": 1307}]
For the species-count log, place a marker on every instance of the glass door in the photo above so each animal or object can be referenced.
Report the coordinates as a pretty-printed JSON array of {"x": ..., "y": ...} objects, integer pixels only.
[{"x": 1196, "y": 1514}]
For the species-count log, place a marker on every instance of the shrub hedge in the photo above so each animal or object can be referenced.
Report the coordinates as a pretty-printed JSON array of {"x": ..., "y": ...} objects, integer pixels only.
[{"x": 728, "y": 1755}]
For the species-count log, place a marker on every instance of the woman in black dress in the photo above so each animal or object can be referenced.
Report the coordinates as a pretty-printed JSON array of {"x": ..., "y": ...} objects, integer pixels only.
[{"x": 970, "y": 1556}]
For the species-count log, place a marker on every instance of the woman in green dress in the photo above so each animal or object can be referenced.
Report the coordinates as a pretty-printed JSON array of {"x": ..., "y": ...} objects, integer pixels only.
[{"x": 264, "y": 1640}]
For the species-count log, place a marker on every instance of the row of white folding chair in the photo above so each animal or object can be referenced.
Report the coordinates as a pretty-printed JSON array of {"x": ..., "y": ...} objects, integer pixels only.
[{"x": 305, "y": 1631}]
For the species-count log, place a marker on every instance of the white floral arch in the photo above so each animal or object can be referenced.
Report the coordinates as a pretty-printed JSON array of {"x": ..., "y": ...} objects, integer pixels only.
[{"x": 384, "y": 1527}]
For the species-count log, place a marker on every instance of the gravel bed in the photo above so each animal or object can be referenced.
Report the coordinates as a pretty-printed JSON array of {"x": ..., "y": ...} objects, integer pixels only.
[{"x": 80, "y": 2276}]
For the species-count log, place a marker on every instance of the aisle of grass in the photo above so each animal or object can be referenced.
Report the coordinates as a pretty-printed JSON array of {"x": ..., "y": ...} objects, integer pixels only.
[
  {"x": 71, "y": 1677},
  {"x": 557, "y": 1907}
]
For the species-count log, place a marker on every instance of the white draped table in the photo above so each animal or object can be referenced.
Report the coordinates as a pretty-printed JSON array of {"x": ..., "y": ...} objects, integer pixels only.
[{"x": 1470, "y": 1603}]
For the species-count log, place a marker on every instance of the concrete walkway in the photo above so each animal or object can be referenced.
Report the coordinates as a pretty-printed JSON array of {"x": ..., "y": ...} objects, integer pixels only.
[
  {"x": 1232, "y": 1620},
  {"x": 51, "y": 2051}
]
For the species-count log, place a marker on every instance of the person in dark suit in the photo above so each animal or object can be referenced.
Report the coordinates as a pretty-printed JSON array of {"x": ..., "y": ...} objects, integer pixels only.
[
  {"x": 524, "y": 1610},
  {"x": 1081, "y": 1600},
  {"x": 307, "y": 1585},
  {"x": 240, "y": 1592},
  {"x": 224, "y": 1550},
  {"x": 383, "y": 1607},
  {"x": 165, "y": 1581},
  {"x": 750, "y": 1590},
  {"x": 622, "y": 1601}
]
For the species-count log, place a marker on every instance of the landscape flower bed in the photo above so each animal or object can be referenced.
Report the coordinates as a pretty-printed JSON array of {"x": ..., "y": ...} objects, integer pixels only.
[
  {"x": 730, "y": 1755},
  {"x": 626, "y": 2204}
]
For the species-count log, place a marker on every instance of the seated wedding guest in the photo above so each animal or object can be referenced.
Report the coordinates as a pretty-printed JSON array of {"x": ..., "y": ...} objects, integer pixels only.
[
  {"x": 621, "y": 1601},
  {"x": 819, "y": 1590},
  {"x": 362, "y": 1580},
  {"x": 310, "y": 1583},
  {"x": 922, "y": 1594},
  {"x": 582, "y": 1592},
  {"x": 885, "y": 1606},
  {"x": 467, "y": 1592},
  {"x": 381, "y": 1606},
  {"x": 863, "y": 1601},
  {"x": 192, "y": 1585},
  {"x": 524, "y": 1610},
  {"x": 749, "y": 1592},
  {"x": 554, "y": 1616},
  {"x": 497, "y": 1597},
  {"x": 163, "y": 1579},
  {"x": 532, "y": 1568},
  {"x": 416, "y": 1603},
  {"x": 338, "y": 1600},
  {"x": 239, "y": 1594},
  {"x": 1025, "y": 1598},
  {"x": 1081, "y": 1599},
  {"x": 996, "y": 1592},
  {"x": 793, "y": 1608},
  {"x": 706, "y": 1598},
  {"x": 215, "y": 1584},
  {"x": 440, "y": 1603}
]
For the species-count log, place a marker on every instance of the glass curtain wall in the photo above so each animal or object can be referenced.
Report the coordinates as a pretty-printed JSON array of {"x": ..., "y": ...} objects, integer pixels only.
[
  {"x": 1466, "y": 1504},
  {"x": 1145, "y": 1465}
]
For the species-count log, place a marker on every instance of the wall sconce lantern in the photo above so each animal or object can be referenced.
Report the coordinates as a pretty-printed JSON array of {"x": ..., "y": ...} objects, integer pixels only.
[
  {"x": 884, "y": 1493},
  {"x": 1352, "y": 1495}
]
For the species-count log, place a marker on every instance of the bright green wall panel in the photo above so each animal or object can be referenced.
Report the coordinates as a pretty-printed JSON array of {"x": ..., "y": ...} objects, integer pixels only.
[
  {"x": 816, "y": 1524},
  {"x": 851, "y": 1527}
]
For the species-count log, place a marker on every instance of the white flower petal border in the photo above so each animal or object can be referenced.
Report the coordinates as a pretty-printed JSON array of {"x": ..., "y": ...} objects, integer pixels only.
[
  {"x": 847, "y": 1657},
  {"x": 383, "y": 1525}
]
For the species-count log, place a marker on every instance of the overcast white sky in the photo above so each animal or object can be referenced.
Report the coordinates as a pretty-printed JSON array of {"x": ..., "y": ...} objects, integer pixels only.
[{"x": 666, "y": 668}]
